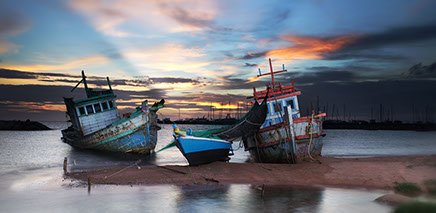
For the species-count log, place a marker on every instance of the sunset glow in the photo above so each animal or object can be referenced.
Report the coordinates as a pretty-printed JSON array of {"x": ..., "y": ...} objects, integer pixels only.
[{"x": 203, "y": 54}]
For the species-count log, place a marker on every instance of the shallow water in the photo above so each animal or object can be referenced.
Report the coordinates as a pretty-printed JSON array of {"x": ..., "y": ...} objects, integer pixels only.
[
  {"x": 45, "y": 190},
  {"x": 31, "y": 177}
]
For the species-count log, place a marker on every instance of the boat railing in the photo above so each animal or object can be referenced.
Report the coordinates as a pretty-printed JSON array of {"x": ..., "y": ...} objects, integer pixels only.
[{"x": 274, "y": 91}]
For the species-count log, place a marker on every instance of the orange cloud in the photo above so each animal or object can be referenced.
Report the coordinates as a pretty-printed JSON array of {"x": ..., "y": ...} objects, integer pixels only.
[
  {"x": 76, "y": 64},
  {"x": 309, "y": 47}
]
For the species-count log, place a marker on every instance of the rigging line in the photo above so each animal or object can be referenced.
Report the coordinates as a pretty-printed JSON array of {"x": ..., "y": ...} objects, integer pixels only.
[
  {"x": 310, "y": 139},
  {"x": 283, "y": 125}
]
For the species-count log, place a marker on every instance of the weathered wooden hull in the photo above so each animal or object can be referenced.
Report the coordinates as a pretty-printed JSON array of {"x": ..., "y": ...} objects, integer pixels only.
[
  {"x": 274, "y": 144},
  {"x": 136, "y": 134}
]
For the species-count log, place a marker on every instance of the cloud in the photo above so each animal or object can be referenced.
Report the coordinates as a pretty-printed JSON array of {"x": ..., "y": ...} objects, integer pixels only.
[
  {"x": 368, "y": 46},
  {"x": 363, "y": 55},
  {"x": 309, "y": 47},
  {"x": 76, "y": 64},
  {"x": 6, "y": 47},
  {"x": 105, "y": 17},
  {"x": 44, "y": 97},
  {"x": 168, "y": 58},
  {"x": 12, "y": 23},
  {"x": 350, "y": 46},
  {"x": 140, "y": 81},
  {"x": 304, "y": 47},
  {"x": 393, "y": 36},
  {"x": 421, "y": 71},
  {"x": 252, "y": 55},
  {"x": 194, "y": 21},
  {"x": 250, "y": 65},
  {"x": 112, "y": 18}
]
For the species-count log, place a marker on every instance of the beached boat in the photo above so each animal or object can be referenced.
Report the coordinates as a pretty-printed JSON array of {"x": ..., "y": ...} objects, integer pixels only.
[
  {"x": 96, "y": 123},
  {"x": 198, "y": 150},
  {"x": 211, "y": 145},
  {"x": 285, "y": 136}
]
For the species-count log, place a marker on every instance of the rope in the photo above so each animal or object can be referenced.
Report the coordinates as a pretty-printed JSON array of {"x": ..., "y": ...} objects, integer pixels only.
[
  {"x": 134, "y": 164},
  {"x": 310, "y": 139},
  {"x": 239, "y": 124}
]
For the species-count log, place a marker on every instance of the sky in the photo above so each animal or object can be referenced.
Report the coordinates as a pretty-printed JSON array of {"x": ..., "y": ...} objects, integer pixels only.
[{"x": 352, "y": 56}]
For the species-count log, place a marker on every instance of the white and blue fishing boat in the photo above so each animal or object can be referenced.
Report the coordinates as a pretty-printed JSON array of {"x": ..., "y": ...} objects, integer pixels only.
[
  {"x": 96, "y": 123},
  {"x": 211, "y": 145},
  {"x": 199, "y": 150}
]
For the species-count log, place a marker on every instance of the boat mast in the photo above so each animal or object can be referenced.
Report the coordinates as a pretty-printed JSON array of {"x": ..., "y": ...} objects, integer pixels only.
[{"x": 271, "y": 73}]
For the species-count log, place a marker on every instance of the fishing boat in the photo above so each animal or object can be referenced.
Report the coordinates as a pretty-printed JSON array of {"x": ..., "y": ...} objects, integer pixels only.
[
  {"x": 96, "y": 123},
  {"x": 200, "y": 150},
  {"x": 285, "y": 136},
  {"x": 211, "y": 145}
]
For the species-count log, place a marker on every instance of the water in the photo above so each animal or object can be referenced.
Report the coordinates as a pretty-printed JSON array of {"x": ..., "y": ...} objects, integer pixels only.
[
  {"x": 378, "y": 143},
  {"x": 31, "y": 177}
]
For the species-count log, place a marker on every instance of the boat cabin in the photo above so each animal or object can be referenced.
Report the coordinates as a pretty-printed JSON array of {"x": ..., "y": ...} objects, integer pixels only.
[
  {"x": 279, "y": 98},
  {"x": 95, "y": 112}
]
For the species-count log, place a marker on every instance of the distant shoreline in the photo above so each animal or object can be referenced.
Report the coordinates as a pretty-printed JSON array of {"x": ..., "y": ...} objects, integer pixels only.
[
  {"x": 328, "y": 124},
  {"x": 17, "y": 125},
  {"x": 375, "y": 172}
]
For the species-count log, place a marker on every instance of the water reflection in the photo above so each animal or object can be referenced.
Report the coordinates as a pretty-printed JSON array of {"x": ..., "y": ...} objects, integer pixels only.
[{"x": 249, "y": 198}]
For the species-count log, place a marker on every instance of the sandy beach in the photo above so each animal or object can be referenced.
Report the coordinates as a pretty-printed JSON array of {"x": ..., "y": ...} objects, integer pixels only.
[{"x": 377, "y": 172}]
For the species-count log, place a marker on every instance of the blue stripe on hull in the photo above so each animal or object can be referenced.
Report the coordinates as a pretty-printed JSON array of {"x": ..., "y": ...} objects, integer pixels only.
[
  {"x": 135, "y": 142},
  {"x": 196, "y": 144}
]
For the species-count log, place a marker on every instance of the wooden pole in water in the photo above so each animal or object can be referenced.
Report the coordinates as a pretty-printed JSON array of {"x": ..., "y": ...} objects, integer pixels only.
[
  {"x": 89, "y": 185},
  {"x": 65, "y": 165}
]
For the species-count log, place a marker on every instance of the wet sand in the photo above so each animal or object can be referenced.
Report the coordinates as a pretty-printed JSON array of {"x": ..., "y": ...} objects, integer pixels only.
[{"x": 378, "y": 172}]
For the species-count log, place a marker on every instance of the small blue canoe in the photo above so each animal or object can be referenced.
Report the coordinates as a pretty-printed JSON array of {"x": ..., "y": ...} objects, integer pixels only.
[{"x": 198, "y": 150}]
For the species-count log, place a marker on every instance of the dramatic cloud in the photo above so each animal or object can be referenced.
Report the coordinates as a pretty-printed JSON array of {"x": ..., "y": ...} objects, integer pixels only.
[
  {"x": 393, "y": 36},
  {"x": 140, "y": 81},
  {"x": 304, "y": 47},
  {"x": 367, "y": 46},
  {"x": 420, "y": 71},
  {"x": 309, "y": 47}
]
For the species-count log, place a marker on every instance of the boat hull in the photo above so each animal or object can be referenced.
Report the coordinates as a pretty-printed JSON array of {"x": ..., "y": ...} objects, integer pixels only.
[
  {"x": 136, "y": 134},
  {"x": 199, "y": 150},
  {"x": 283, "y": 153},
  {"x": 275, "y": 144}
]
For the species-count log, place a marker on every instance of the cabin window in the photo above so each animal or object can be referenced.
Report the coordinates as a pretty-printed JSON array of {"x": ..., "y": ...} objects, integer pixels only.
[
  {"x": 277, "y": 106},
  {"x": 82, "y": 111},
  {"x": 111, "y": 104},
  {"x": 104, "y": 105},
  {"x": 97, "y": 107},
  {"x": 290, "y": 103},
  {"x": 89, "y": 109}
]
